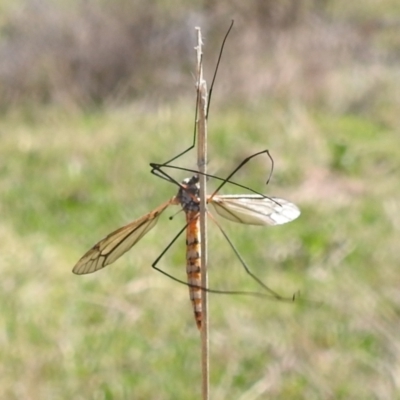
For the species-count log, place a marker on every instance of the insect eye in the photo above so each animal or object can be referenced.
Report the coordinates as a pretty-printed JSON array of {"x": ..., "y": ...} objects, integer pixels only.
[{"x": 195, "y": 179}]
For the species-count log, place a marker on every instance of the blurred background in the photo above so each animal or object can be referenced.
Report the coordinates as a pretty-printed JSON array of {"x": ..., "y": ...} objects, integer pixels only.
[{"x": 91, "y": 92}]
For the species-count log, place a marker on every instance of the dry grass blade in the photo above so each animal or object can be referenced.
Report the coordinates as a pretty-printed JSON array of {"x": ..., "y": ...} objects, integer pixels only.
[{"x": 202, "y": 165}]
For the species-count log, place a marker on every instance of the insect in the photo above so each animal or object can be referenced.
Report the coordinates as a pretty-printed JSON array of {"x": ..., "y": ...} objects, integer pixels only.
[{"x": 252, "y": 209}]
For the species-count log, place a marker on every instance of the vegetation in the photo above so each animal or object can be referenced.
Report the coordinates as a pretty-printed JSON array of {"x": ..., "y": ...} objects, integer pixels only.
[{"x": 75, "y": 165}]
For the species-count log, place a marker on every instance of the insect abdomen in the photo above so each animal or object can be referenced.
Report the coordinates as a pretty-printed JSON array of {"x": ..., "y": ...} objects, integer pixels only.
[{"x": 193, "y": 263}]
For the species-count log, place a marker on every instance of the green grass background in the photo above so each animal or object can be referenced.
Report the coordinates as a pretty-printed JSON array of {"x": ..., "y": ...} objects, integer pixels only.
[
  {"x": 127, "y": 331},
  {"x": 69, "y": 177}
]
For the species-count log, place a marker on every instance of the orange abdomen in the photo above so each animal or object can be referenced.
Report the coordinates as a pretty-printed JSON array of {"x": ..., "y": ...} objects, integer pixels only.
[{"x": 193, "y": 263}]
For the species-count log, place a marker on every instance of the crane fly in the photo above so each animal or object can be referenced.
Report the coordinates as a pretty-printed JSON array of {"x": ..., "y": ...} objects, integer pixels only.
[{"x": 252, "y": 209}]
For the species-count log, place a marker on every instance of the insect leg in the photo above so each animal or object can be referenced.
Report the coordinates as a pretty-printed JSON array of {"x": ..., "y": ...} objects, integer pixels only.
[
  {"x": 262, "y": 284},
  {"x": 231, "y": 292},
  {"x": 217, "y": 66},
  {"x": 197, "y": 102},
  {"x": 194, "y": 139},
  {"x": 157, "y": 171},
  {"x": 244, "y": 162}
]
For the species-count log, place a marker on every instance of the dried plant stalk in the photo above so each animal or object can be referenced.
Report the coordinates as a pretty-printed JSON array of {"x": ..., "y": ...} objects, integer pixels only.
[{"x": 202, "y": 165}]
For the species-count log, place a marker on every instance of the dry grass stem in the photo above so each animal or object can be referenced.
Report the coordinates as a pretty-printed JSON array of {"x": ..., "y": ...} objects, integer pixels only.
[{"x": 202, "y": 165}]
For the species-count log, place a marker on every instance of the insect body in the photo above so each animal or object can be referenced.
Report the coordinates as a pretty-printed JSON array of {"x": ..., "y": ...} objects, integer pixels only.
[{"x": 252, "y": 209}]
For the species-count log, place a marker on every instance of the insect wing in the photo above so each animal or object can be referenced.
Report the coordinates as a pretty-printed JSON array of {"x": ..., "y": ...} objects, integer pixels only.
[
  {"x": 254, "y": 209},
  {"x": 117, "y": 243}
]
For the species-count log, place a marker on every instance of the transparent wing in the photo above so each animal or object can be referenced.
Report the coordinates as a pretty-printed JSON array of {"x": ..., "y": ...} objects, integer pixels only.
[
  {"x": 118, "y": 242},
  {"x": 254, "y": 209}
]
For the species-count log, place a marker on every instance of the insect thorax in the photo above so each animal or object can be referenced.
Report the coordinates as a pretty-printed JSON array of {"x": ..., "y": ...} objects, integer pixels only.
[{"x": 189, "y": 194}]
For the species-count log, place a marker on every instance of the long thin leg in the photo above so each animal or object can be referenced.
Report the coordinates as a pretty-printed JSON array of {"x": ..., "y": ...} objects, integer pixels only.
[
  {"x": 245, "y": 161},
  {"x": 193, "y": 142},
  {"x": 217, "y": 66},
  {"x": 262, "y": 284},
  {"x": 156, "y": 170},
  {"x": 197, "y": 100},
  {"x": 162, "y": 174},
  {"x": 237, "y": 292}
]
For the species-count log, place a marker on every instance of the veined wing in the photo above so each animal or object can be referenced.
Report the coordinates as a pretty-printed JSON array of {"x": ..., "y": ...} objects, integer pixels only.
[
  {"x": 118, "y": 242},
  {"x": 254, "y": 209}
]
